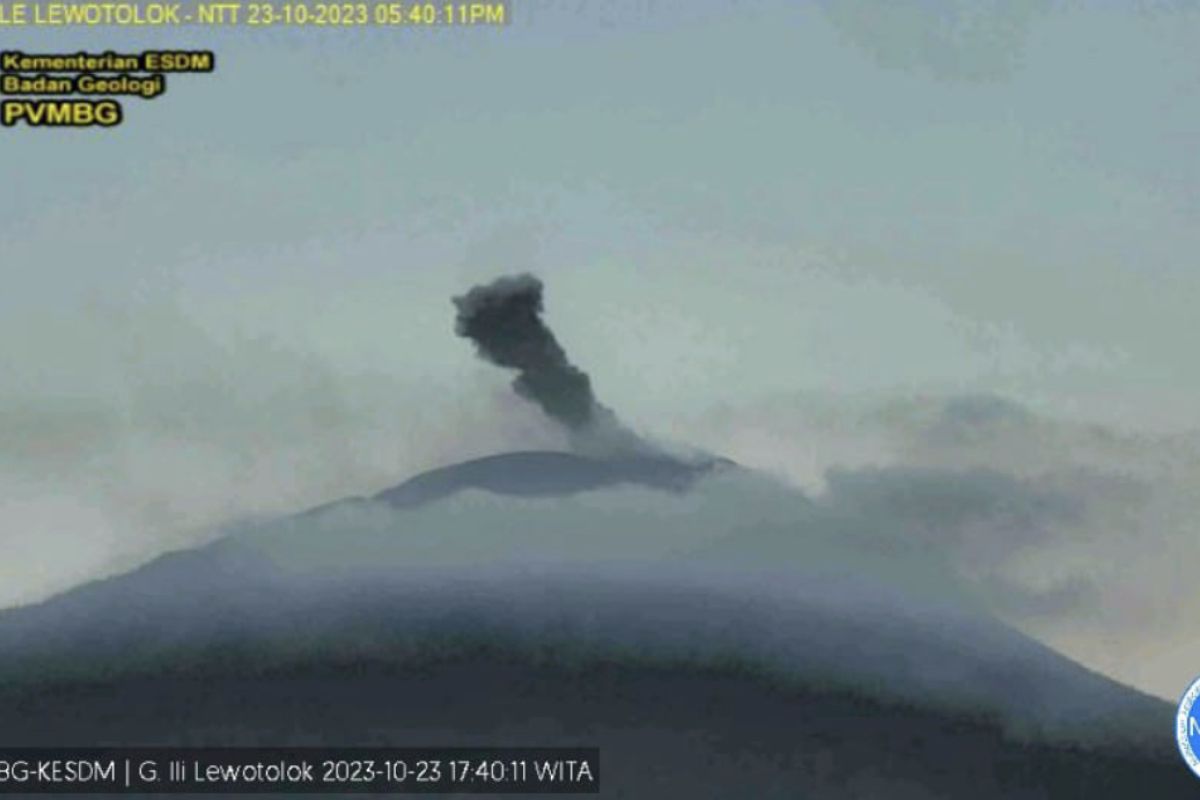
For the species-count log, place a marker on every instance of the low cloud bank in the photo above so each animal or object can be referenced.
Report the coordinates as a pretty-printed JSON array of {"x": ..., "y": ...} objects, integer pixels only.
[{"x": 1078, "y": 533}]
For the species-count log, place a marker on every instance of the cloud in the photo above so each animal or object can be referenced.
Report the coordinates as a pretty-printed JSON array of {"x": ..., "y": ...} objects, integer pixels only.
[
  {"x": 978, "y": 508},
  {"x": 1076, "y": 532},
  {"x": 986, "y": 525},
  {"x": 968, "y": 418},
  {"x": 138, "y": 431},
  {"x": 971, "y": 40}
]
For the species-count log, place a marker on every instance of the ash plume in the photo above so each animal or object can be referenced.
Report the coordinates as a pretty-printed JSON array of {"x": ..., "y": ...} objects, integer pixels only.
[{"x": 504, "y": 320}]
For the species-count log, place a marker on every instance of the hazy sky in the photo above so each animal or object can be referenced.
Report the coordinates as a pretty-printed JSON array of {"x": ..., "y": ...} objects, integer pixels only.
[
  {"x": 749, "y": 197},
  {"x": 238, "y": 300}
]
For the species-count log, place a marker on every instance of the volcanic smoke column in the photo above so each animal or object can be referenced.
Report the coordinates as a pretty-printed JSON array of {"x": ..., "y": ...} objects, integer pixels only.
[{"x": 504, "y": 320}]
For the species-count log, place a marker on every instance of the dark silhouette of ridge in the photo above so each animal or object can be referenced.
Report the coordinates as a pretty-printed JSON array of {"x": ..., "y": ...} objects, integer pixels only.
[
  {"x": 547, "y": 474},
  {"x": 542, "y": 473}
]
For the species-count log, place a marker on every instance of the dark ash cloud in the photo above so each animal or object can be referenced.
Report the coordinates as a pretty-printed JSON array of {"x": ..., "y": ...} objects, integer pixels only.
[{"x": 504, "y": 320}]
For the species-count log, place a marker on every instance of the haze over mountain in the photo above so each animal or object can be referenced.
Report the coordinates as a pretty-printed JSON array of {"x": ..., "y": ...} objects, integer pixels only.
[{"x": 732, "y": 634}]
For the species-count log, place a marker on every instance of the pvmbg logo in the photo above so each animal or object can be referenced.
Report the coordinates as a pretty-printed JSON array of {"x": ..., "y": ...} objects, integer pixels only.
[{"x": 1187, "y": 727}]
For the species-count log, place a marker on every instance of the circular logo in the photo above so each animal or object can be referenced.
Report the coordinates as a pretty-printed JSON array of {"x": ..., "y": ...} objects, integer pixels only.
[{"x": 1187, "y": 726}]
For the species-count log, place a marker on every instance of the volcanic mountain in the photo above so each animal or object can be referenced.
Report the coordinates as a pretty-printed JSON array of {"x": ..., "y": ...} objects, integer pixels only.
[{"x": 716, "y": 633}]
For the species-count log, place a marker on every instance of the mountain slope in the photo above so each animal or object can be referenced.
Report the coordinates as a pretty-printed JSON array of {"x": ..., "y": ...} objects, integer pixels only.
[{"x": 722, "y": 638}]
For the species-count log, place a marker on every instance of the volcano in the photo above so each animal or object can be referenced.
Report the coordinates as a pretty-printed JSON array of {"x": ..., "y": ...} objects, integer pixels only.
[{"x": 714, "y": 632}]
